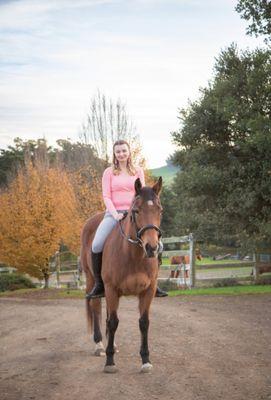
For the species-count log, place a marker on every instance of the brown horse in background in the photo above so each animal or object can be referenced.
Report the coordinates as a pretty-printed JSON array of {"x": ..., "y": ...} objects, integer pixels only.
[
  {"x": 130, "y": 267},
  {"x": 181, "y": 260}
]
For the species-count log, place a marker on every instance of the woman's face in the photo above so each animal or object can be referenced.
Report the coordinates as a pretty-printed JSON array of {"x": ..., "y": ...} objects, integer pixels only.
[{"x": 121, "y": 152}]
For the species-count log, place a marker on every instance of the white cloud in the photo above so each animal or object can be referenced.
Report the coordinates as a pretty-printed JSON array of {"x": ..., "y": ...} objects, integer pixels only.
[
  {"x": 29, "y": 14},
  {"x": 57, "y": 53}
]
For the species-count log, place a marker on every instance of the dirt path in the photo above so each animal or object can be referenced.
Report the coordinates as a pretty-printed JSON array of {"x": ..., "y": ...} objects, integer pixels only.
[{"x": 202, "y": 348}]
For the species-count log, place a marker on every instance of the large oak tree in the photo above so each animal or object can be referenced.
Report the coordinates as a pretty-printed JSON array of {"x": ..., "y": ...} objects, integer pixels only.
[{"x": 224, "y": 189}]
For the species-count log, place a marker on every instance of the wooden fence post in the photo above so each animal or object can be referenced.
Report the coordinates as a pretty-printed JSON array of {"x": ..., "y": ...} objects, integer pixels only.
[
  {"x": 256, "y": 268},
  {"x": 57, "y": 255},
  {"x": 192, "y": 274}
]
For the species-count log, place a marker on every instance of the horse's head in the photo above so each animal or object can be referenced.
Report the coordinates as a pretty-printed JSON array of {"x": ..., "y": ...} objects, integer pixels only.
[{"x": 146, "y": 216}]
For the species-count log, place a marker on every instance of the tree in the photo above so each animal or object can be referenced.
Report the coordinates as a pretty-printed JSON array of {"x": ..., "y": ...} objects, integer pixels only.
[
  {"x": 79, "y": 160},
  {"x": 224, "y": 189},
  {"x": 68, "y": 155},
  {"x": 13, "y": 158},
  {"x": 87, "y": 187},
  {"x": 74, "y": 156},
  {"x": 168, "y": 201},
  {"x": 85, "y": 170},
  {"x": 259, "y": 13},
  {"x": 37, "y": 212},
  {"x": 108, "y": 121}
]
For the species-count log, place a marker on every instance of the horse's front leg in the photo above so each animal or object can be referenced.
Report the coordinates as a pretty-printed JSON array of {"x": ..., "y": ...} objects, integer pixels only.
[
  {"x": 112, "y": 302},
  {"x": 145, "y": 300}
]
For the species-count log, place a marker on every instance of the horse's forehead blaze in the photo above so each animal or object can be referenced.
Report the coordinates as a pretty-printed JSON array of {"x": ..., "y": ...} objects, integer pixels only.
[
  {"x": 147, "y": 194},
  {"x": 147, "y": 197}
]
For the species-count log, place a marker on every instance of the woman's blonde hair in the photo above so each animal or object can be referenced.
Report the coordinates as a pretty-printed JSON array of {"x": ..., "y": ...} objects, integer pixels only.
[{"x": 116, "y": 167}]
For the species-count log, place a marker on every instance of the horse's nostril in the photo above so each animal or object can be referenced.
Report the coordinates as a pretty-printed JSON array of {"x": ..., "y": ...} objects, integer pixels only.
[{"x": 151, "y": 250}]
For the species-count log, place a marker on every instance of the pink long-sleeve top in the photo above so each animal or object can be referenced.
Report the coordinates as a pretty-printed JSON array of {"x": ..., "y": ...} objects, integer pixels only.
[{"x": 119, "y": 190}]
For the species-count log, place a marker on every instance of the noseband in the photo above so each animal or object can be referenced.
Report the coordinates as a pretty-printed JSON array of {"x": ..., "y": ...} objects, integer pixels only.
[{"x": 139, "y": 231}]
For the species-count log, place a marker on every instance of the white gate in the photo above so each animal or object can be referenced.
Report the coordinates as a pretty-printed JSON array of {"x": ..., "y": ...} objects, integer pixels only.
[{"x": 182, "y": 279}]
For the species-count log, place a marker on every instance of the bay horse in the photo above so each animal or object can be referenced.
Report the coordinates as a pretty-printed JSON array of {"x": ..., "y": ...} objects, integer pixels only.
[{"x": 129, "y": 267}]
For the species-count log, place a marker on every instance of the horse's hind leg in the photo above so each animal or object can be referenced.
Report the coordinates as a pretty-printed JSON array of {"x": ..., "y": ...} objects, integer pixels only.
[
  {"x": 145, "y": 300},
  {"x": 97, "y": 335},
  {"x": 94, "y": 312},
  {"x": 112, "y": 322}
]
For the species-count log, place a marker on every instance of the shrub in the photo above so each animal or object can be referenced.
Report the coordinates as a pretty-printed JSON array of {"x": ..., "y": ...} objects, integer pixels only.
[{"x": 14, "y": 281}]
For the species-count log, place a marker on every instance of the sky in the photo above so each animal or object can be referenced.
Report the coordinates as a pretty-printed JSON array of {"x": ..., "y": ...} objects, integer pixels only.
[{"x": 154, "y": 55}]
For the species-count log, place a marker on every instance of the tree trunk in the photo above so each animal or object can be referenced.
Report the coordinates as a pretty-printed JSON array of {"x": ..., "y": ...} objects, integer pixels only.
[{"x": 46, "y": 280}]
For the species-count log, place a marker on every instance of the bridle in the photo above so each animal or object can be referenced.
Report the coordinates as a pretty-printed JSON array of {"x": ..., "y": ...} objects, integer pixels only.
[{"x": 139, "y": 231}]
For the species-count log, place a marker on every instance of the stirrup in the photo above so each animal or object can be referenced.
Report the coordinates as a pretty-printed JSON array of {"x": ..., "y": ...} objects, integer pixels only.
[
  {"x": 160, "y": 293},
  {"x": 96, "y": 292}
]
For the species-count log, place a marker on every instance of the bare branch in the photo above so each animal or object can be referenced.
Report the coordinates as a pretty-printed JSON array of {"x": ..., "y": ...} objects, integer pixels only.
[{"x": 106, "y": 122}]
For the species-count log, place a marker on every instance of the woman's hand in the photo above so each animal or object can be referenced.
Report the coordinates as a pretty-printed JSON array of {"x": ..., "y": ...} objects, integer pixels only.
[{"x": 119, "y": 217}]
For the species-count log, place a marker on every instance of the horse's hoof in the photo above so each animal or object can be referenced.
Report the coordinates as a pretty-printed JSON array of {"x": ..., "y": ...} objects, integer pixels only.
[
  {"x": 110, "y": 369},
  {"x": 99, "y": 353},
  {"x": 99, "y": 350},
  {"x": 147, "y": 367}
]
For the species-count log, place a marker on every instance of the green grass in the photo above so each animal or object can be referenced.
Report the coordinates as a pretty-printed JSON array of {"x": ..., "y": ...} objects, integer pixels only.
[
  {"x": 231, "y": 290},
  {"x": 209, "y": 260},
  {"x": 55, "y": 294}
]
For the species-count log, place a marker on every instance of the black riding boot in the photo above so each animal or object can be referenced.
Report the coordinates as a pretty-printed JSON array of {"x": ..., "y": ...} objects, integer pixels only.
[
  {"x": 160, "y": 293},
  {"x": 98, "y": 289}
]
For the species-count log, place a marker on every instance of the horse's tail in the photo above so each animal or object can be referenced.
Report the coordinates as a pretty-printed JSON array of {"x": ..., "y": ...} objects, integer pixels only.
[
  {"x": 89, "y": 303},
  {"x": 89, "y": 285},
  {"x": 89, "y": 313}
]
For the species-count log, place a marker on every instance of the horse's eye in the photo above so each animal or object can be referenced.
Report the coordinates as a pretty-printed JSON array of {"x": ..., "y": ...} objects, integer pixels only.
[{"x": 136, "y": 210}]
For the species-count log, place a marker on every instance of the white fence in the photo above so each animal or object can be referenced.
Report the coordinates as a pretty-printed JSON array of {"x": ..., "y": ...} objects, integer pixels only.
[
  {"x": 193, "y": 275},
  {"x": 190, "y": 275}
]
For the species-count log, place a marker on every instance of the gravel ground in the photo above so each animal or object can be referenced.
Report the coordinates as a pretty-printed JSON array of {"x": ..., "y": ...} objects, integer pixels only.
[{"x": 202, "y": 348}]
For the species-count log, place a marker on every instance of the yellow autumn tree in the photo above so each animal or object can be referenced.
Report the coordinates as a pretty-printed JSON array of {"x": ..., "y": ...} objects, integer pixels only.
[
  {"x": 37, "y": 212},
  {"x": 87, "y": 185}
]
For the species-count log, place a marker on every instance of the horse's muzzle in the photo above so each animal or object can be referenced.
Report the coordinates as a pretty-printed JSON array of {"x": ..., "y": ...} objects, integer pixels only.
[{"x": 151, "y": 251}]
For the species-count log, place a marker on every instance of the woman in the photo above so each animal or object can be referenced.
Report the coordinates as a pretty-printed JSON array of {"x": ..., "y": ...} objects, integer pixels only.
[{"x": 118, "y": 192}]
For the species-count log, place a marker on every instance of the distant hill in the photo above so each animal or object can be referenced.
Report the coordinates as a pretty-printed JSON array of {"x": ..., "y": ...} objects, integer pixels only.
[{"x": 167, "y": 172}]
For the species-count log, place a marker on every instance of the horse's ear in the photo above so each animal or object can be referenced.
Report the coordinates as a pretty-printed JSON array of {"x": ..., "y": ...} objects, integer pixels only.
[
  {"x": 158, "y": 186},
  {"x": 138, "y": 186}
]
